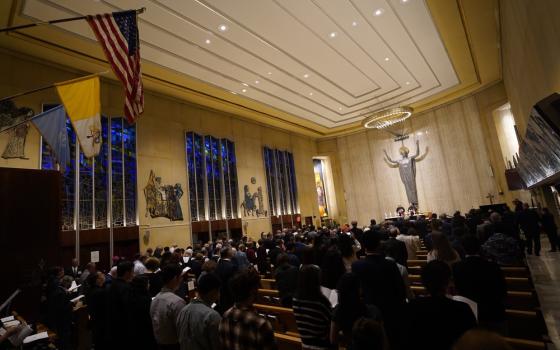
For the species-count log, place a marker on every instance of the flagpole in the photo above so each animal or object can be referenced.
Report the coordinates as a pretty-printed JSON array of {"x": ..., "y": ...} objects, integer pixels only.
[
  {"x": 55, "y": 21},
  {"x": 51, "y": 86}
]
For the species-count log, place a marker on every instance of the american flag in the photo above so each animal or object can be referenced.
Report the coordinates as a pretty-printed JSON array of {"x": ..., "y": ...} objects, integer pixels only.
[{"x": 118, "y": 34}]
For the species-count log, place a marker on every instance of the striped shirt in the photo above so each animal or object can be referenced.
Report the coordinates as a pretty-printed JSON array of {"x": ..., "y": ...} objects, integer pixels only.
[{"x": 313, "y": 320}]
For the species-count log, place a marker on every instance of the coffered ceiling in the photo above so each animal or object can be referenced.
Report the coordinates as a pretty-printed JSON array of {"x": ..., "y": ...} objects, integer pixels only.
[{"x": 315, "y": 65}]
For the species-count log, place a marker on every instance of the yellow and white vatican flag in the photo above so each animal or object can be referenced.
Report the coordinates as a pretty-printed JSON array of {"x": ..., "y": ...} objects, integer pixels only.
[{"x": 82, "y": 101}]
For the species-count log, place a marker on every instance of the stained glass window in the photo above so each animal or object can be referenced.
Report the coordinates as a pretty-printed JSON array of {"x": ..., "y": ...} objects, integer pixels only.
[
  {"x": 280, "y": 181},
  {"x": 117, "y": 171},
  {"x": 212, "y": 177},
  {"x": 93, "y": 178}
]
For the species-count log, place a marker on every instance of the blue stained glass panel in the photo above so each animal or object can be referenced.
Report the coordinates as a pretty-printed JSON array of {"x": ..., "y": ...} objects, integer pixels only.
[
  {"x": 130, "y": 173},
  {"x": 101, "y": 177},
  {"x": 293, "y": 183},
  {"x": 234, "y": 187},
  {"x": 117, "y": 172},
  {"x": 68, "y": 185},
  {"x": 86, "y": 192},
  {"x": 200, "y": 175},
  {"x": 192, "y": 175}
]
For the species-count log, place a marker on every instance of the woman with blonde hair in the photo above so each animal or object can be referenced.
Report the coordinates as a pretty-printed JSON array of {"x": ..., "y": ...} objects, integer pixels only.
[{"x": 442, "y": 250}]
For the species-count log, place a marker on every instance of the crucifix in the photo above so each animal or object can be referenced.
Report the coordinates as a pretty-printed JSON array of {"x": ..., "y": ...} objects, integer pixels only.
[{"x": 490, "y": 196}]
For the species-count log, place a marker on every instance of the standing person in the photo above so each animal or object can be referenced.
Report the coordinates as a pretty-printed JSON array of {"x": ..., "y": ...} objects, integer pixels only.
[
  {"x": 349, "y": 309},
  {"x": 139, "y": 315},
  {"x": 286, "y": 280},
  {"x": 117, "y": 324},
  {"x": 396, "y": 247},
  {"x": 449, "y": 318},
  {"x": 550, "y": 228},
  {"x": 197, "y": 323},
  {"x": 96, "y": 300},
  {"x": 529, "y": 223},
  {"x": 242, "y": 327},
  {"x": 382, "y": 286},
  {"x": 312, "y": 310},
  {"x": 225, "y": 271},
  {"x": 483, "y": 282},
  {"x": 74, "y": 270},
  {"x": 442, "y": 250},
  {"x": 412, "y": 243},
  {"x": 166, "y": 307}
]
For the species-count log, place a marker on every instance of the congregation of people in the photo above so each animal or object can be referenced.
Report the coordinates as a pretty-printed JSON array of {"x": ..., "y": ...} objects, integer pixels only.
[{"x": 347, "y": 286}]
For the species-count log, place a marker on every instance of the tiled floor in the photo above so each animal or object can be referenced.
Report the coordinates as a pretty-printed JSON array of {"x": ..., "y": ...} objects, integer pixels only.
[{"x": 546, "y": 276}]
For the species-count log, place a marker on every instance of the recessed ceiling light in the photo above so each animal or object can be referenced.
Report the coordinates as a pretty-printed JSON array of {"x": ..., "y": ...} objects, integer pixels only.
[
  {"x": 310, "y": 94},
  {"x": 404, "y": 1},
  {"x": 222, "y": 27},
  {"x": 306, "y": 75},
  {"x": 244, "y": 90},
  {"x": 354, "y": 24},
  {"x": 233, "y": 92},
  {"x": 379, "y": 12},
  {"x": 269, "y": 73},
  {"x": 340, "y": 108},
  {"x": 332, "y": 35},
  {"x": 407, "y": 83},
  {"x": 386, "y": 59},
  {"x": 244, "y": 84},
  {"x": 208, "y": 41},
  {"x": 256, "y": 81}
]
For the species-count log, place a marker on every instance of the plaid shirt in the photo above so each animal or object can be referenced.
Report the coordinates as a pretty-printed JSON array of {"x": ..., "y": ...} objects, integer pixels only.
[{"x": 243, "y": 329}]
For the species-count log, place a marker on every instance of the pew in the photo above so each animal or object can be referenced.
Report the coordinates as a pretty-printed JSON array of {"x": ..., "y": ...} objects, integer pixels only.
[
  {"x": 519, "y": 283},
  {"x": 287, "y": 342},
  {"x": 524, "y": 344},
  {"x": 268, "y": 283},
  {"x": 509, "y": 271},
  {"x": 526, "y": 324},
  {"x": 268, "y": 297},
  {"x": 281, "y": 318}
]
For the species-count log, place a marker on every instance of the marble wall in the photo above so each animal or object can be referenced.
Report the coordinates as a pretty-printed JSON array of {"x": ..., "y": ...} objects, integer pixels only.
[
  {"x": 457, "y": 173},
  {"x": 530, "y": 51}
]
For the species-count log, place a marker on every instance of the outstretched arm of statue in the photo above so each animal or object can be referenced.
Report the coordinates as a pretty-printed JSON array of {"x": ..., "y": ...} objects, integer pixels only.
[
  {"x": 389, "y": 161},
  {"x": 423, "y": 156},
  {"x": 417, "y": 150}
]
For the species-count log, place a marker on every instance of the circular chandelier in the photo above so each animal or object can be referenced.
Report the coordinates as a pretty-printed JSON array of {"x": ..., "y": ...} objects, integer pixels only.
[{"x": 387, "y": 117}]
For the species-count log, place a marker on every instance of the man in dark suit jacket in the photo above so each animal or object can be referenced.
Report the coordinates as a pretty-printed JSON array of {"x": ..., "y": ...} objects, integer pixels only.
[
  {"x": 382, "y": 286},
  {"x": 483, "y": 282},
  {"x": 118, "y": 320},
  {"x": 436, "y": 322},
  {"x": 74, "y": 270},
  {"x": 529, "y": 222},
  {"x": 225, "y": 271},
  {"x": 396, "y": 247}
]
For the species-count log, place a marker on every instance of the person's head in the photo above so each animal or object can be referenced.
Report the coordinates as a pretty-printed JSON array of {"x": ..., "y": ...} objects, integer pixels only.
[
  {"x": 471, "y": 245},
  {"x": 394, "y": 232},
  {"x": 125, "y": 271},
  {"x": 372, "y": 222},
  {"x": 371, "y": 241},
  {"x": 282, "y": 259},
  {"x": 354, "y": 224},
  {"x": 209, "y": 266},
  {"x": 66, "y": 281},
  {"x": 171, "y": 276},
  {"x": 56, "y": 273},
  {"x": 75, "y": 262},
  {"x": 244, "y": 286},
  {"x": 481, "y": 339},
  {"x": 226, "y": 253},
  {"x": 442, "y": 247},
  {"x": 309, "y": 283},
  {"x": 96, "y": 279},
  {"x": 152, "y": 264},
  {"x": 91, "y": 267},
  {"x": 525, "y": 206},
  {"x": 435, "y": 277},
  {"x": 208, "y": 288},
  {"x": 149, "y": 252},
  {"x": 495, "y": 217},
  {"x": 368, "y": 334}
]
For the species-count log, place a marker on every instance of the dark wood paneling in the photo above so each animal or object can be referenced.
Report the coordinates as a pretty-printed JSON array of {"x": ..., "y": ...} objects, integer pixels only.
[{"x": 29, "y": 224}]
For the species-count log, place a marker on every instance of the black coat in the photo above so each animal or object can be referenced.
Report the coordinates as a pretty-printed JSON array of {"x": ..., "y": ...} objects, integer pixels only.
[
  {"x": 119, "y": 331},
  {"x": 483, "y": 282},
  {"x": 286, "y": 282},
  {"x": 396, "y": 249},
  {"x": 436, "y": 323},
  {"x": 225, "y": 271}
]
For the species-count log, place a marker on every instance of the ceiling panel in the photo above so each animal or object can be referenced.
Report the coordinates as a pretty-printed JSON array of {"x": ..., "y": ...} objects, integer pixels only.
[{"x": 328, "y": 62}]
